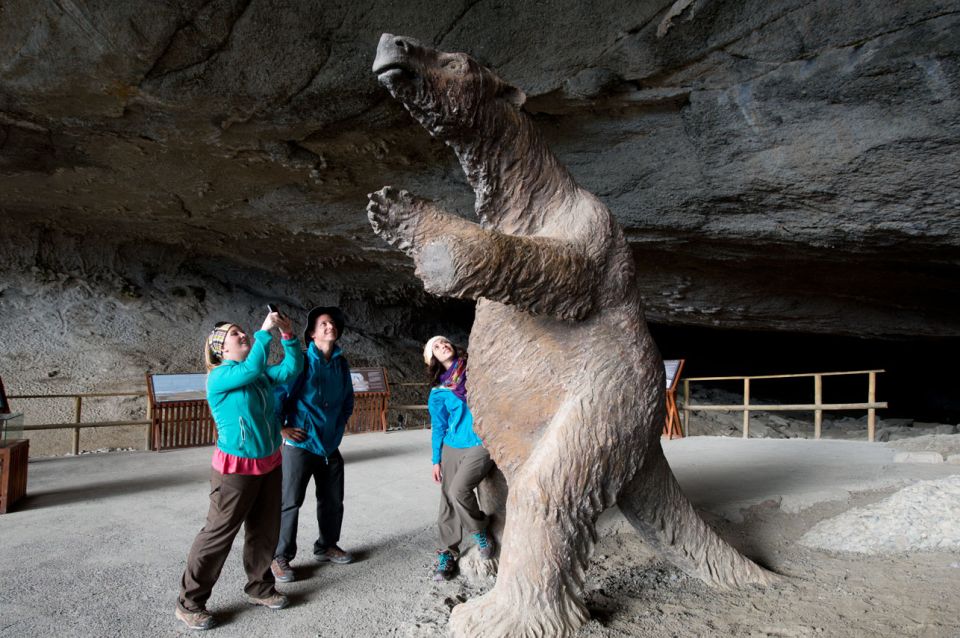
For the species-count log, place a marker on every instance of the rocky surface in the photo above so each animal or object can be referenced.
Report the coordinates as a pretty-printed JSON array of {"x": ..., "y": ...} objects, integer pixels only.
[
  {"x": 923, "y": 516},
  {"x": 777, "y": 165}
]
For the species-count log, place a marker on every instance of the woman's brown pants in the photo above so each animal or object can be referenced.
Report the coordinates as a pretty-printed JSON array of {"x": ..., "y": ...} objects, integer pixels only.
[{"x": 235, "y": 500}]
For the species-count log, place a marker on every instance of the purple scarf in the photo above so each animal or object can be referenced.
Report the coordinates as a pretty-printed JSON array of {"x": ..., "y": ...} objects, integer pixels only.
[{"x": 455, "y": 378}]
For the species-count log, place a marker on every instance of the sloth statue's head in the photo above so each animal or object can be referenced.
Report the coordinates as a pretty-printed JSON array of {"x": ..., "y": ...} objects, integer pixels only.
[{"x": 450, "y": 94}]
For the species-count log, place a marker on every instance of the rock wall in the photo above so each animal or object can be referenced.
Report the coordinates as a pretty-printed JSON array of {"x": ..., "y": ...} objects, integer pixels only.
[{"x": 788, "y": 165}]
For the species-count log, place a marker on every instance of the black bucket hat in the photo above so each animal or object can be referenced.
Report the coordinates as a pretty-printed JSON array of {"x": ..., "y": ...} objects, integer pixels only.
[{"x": 335, "y": 313}]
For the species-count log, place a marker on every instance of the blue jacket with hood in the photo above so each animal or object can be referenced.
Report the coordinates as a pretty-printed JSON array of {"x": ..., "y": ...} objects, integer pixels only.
[
  {"x": 319, "y": 401},
  {"x": 451, "y": 422}
]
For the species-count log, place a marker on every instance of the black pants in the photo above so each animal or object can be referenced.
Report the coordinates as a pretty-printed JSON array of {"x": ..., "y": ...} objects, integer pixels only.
[{"x": 327, "y": 472}]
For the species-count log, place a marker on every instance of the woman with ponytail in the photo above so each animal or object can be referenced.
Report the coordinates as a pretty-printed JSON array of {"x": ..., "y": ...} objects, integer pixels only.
[{"x": 246, "y": 477}]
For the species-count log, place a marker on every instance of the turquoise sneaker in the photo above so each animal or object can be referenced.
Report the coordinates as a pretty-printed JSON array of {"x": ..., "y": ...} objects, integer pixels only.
[
  {"x": 485, "y": 544},
  {"x": 446, "y": 566}
]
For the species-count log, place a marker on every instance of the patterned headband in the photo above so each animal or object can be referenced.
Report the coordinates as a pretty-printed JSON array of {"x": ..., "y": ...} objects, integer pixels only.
[{"x": 217, "y": 337}]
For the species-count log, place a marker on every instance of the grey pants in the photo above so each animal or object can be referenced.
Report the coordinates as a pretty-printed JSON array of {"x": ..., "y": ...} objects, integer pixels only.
[{"x": 459, "y": 510}]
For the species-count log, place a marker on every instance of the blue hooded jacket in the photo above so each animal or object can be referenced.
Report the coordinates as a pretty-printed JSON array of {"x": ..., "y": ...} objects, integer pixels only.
[
  {"x": 451, "y": 422},
  {"x": 318, "y": 401}
]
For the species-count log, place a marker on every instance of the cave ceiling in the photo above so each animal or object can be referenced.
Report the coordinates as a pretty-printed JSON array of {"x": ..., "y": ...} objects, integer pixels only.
[{"x": 789, "y": 165}]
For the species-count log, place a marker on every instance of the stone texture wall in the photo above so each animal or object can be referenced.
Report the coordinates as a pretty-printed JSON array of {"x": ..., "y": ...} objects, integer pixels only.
[{"x": 788, "y": 165}]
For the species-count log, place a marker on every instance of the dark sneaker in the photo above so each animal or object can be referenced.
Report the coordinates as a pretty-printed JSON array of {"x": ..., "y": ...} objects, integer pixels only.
[
  {"x": 274, "y": 601},
  {"x": 196, "y": 620},
  {"x": 485, "y": 544},
  {"x": 446, "y": 566},
  {"x": 334, "y": 555},
  {"x": 282, "y": 572}
]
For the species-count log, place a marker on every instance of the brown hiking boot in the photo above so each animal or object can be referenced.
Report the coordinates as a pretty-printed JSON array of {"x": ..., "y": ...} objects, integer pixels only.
[
  {"x": 273, "y": 601},
  {"x": 282, "y": 572},
  {"x": 334, "y": 555},
  {"x": 196, "y": 620}
]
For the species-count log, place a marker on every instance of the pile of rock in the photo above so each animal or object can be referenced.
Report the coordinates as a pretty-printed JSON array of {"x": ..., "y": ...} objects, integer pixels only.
[
  {"x": 929, "y": 448},
  {"x": 923, "y": 516}
]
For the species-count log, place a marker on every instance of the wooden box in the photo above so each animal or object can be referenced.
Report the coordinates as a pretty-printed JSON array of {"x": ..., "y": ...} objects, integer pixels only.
[{"x": 14, "y": 455}]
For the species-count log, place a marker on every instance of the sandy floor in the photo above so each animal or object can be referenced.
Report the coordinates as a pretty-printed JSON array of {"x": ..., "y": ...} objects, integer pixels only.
[{"x": 98, "y": 547}]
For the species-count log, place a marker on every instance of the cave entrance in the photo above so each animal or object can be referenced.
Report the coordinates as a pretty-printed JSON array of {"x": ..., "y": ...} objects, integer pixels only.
[{"x": 920, "y": 381}]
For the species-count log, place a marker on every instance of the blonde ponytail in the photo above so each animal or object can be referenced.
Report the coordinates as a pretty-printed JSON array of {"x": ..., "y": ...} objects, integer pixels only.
[{"x": 209, "y": 358}]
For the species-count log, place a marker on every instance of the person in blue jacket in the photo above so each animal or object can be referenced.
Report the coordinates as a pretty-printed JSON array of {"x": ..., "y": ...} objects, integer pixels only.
[
  {"x": 245, "y": 479},
  {"x": 460, "y": 461},
  {"x": 314, "y": 409}
]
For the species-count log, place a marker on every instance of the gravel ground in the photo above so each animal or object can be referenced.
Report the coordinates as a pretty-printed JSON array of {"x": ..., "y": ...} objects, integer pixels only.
[
  {"x": 98, "y": 548},
  {"x": 921, "y": 517}
]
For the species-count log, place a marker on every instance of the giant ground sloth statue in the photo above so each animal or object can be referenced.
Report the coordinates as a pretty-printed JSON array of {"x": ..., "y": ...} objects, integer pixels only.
[{"x": 566, "y": 384}]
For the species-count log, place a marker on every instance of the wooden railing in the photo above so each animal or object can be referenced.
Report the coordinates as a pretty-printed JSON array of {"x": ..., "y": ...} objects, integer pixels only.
[
  {"x": 818, "y": 406},
  {"x": 154, "y": 436},
  {"x": 77, "y": 424},
  {"x": 416, "y": 407}
]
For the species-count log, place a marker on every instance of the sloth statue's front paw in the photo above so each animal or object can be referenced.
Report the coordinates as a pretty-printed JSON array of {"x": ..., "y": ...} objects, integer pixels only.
[{"x": 394, "y": 215}]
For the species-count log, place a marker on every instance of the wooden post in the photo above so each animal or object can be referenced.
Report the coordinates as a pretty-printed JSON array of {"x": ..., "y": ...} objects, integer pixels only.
[
  {"x": 746, "y": 408},
  {"x": 872, "y": 412},
  {"x": 78, "y": 406},
  {"x": 686, "y": 402},
  {"x": 818, "y": 401}
]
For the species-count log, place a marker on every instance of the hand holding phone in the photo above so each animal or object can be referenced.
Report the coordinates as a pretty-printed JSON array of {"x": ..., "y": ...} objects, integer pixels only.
[{"x": 278, "y": 320}]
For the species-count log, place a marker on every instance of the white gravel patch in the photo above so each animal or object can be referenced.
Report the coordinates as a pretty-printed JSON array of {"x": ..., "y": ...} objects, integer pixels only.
[
  {"x": 945, "y": 444},
  {"x": 922, "y": 517},
  {"x": 918, "y": 457}
]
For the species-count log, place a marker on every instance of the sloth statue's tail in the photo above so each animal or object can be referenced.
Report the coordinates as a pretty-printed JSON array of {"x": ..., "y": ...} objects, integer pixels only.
[{"x": 656, "y": 506}]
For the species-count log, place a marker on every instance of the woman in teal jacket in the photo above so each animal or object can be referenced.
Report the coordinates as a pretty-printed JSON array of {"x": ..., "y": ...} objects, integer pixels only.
[
  {"x": 246, "y": 477},
  {"x": 460, "y": 461}
]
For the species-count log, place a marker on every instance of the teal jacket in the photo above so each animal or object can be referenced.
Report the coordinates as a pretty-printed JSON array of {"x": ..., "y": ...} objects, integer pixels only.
[
  {"x": 240, "y": 395},
  {"x": 451, "y": 422},
  {"x": 318, "y": 401}
]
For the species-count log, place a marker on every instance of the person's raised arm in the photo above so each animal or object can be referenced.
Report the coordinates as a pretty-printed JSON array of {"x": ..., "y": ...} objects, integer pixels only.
[
  {"x": 224, "y": 378},
  {"x": 292, "y": 363}
]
